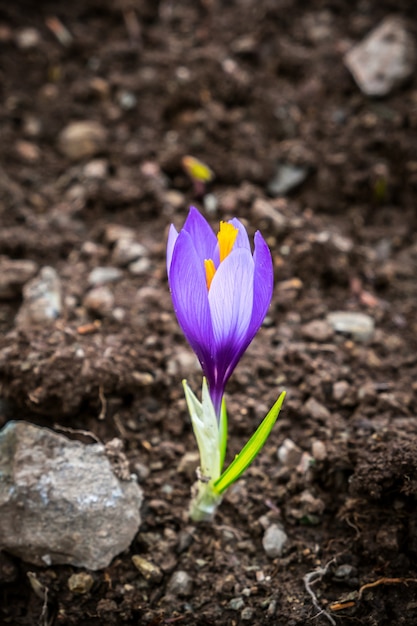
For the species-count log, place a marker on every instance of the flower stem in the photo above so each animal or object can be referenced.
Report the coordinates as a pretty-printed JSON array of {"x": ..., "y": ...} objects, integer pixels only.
[{"x": 204, "y": 502}]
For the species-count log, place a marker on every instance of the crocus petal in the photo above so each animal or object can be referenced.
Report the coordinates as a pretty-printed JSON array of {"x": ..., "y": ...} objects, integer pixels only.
[
  {"x": 187, "y": 281},
  {"x": 263, "y": 280},
  {"x": 201, "y": 233},
  {"x": 172, "y": 238},
  {"x": 219, "y": 323},
  {"x": 231, "y": 300},
  {"x": 263, "y": 285},
  {"x": 242, "y": 240}
]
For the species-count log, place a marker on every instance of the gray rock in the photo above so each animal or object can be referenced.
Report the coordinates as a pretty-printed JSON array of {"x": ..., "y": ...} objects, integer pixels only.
[
  {"x": 141, "y": 266},
  {"x": 247, "y": 614},
  {"x": 99, "y": 300},
  {"x": 125, "y": 251},
  {"x": 127, "y": 100},
  {"x": 318, "y": 450},
  {"x": 60, "y": 502},
  {"x": 211, "y": 203},
  {"x": 103, "y": 275},
  {"x": 359, "y": 326},
  {"x": 28, "y": 38},
  {"x": 42, "y": 299},
  {"x": 289, "y": 454},
  {"x": 316, "y": 410},
  {"x": 345, "y": 571},
  {"x": 305, "y": 463},
  {"x": 384, "y": 59},
  {"x": 235, "y": 604},
  {"x": 180, "y": 584},
  {"x": 80, "y": 140},
  {"x": 96, "y": 169},
  {"x": 286, "y": 178},
  {"x": 274, "y": 541}
]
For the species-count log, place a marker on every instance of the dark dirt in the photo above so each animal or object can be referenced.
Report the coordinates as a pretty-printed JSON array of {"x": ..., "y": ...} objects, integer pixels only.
[{"x": 239, "y": 84}]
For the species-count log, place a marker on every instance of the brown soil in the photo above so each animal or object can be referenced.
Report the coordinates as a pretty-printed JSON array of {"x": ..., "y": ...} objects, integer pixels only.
[{"x": 239, "y": 84}]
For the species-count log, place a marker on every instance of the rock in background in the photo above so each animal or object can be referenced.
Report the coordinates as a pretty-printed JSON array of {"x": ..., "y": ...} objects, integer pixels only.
[
  {"x": 384, "y": 59},
  {"x": 60, "y": 501}
]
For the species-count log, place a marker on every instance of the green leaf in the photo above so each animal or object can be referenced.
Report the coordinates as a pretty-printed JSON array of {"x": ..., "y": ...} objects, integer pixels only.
[
  {"x": 223, "y": 433},
  {"x": 250, "y": 450}
]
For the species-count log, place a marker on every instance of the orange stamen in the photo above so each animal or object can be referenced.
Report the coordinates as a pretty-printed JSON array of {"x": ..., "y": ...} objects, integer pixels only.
[
  {"x": 226, "y": 238},
  {"x": 210, "y": 271}
]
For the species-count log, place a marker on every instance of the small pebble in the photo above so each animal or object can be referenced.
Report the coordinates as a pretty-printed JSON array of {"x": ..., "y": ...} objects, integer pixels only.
[
  {"x": 289, "y": 453},
  {"x": 274, "y": 541},
  {"x": 80, "y": 583},
  {"x": 318, "y": 450},
  {"x": 247, "y": 614},
  {"x": 103, "y": 275},
  {"x": 125, "y": 251},
  {"x": 99, "y": 300},
  {"x": 118, "y": 314},
  {"x": 143, "y": 379},
  {"x": 28, "y": 38},
  {"x": 141, "y": 471},
  {"x": 359, "y": 326},
  {"x": 80, "y": 140},
  {"x": 32, "y": 125},
  {"x": 96, "y": 169},
  {"x": 340, "y": 389},
  {"x": 316, "y": 410},
  {"x": 127, "y": 100},
  {"x": 235, "y": 604},
  {"x": 141, "y": 266},
  {"x": 42, "y": 299},
  {"x": 384, "y": 59},
  {"x": 211, "y": 203},
  {"x": 185, "y": 539},
  {"x": 305, "y": 463},
  {"x": 149, "y": 571},
  {"x": 180, "y": 584},
  {"x": 286, "y": 178},
  {"x": 344, "y": 571}
]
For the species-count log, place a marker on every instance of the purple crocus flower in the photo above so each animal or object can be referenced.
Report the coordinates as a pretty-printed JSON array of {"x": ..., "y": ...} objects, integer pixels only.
[{"x": 220, "y": 292}]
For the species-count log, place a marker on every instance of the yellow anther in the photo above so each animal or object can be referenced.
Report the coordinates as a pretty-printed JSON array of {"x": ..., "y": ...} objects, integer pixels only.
[
  {"x": 226, "y": 238},
  {"x": 210, "y": 271}
]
